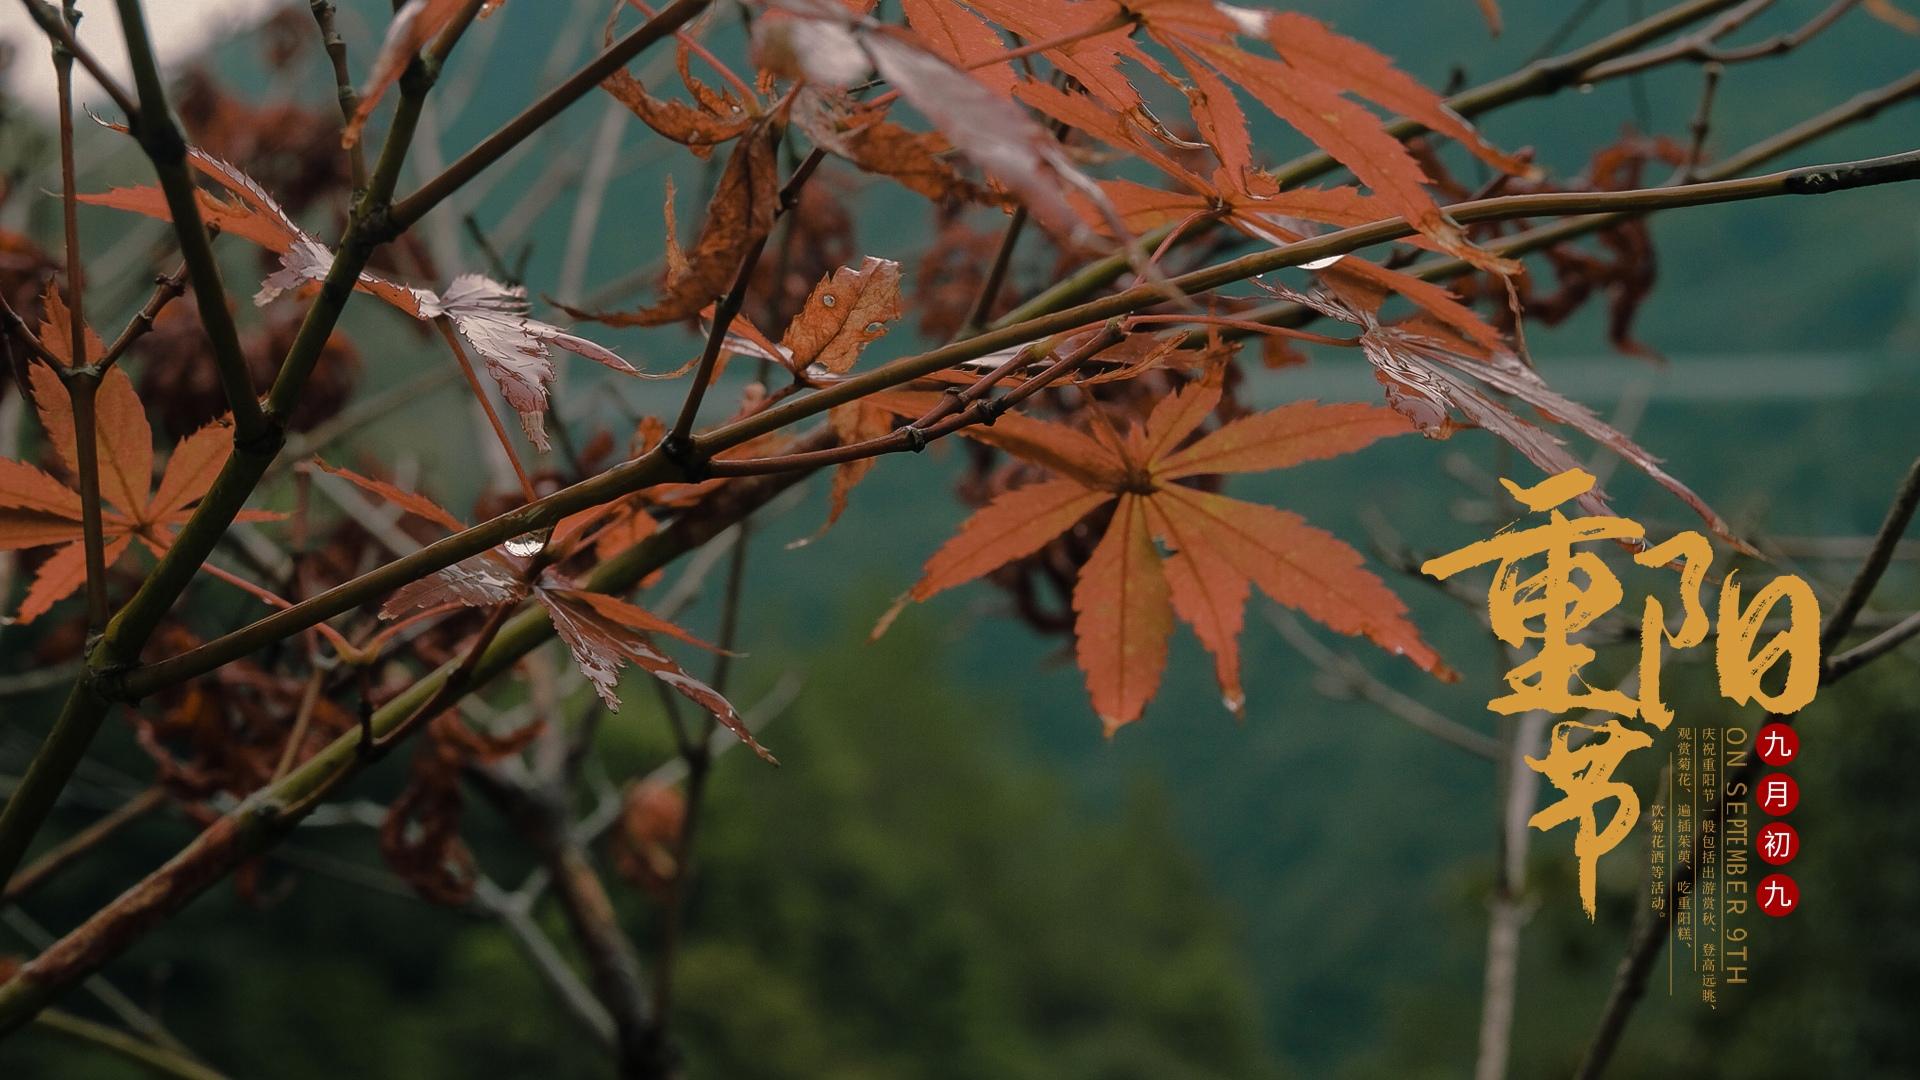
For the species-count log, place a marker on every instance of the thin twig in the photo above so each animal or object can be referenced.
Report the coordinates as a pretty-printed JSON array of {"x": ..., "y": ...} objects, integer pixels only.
[
  {"x": 159, "y": 1059},
  {"x": 1874, "y": 648},
  {"x": 166, "y": 288},
  {"x": 511, "y": 910},
  {"x": 56, "y": 28},
  {"x": 1507, "y": 906},
  {"x": 1906, "y": 499},
  {"x": 535, "y": 116},
  {"x": 64, "y": 854},
  {"x": 1353, "y": 678},
  {"x": 1702, "y": 120},
  {"x": 160, "y": 137},
  {"x": 675, "y": 443},
  {"x": 80, "y": 378},
  {"x": 336, "y": 50},
  {"x": 983, "y": 302}
]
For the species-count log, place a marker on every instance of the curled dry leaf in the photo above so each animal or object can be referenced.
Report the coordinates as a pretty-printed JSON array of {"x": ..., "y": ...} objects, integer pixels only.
[
  {"x": 420, "y": 835},
  {"x": 848, "y": 310},
  {"x": 739, "y": 216},
  {"x": 714, "y": 118},
  {"x": 917, "y": 160},
  {"x": 644, "y": 844},
  {"x": 414, "y": 24}
]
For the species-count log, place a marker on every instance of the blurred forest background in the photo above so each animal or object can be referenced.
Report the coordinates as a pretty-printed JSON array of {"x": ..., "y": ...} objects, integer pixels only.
[{"x": 953, "y": 873}]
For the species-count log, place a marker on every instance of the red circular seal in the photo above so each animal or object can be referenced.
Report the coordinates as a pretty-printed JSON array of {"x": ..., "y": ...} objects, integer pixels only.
[
  {"x": 1777, "y": 794},
  {"x": 1778, "y": 843},
  {"x": 1777, "y": 744},
  {"x": 1778, "y": 895}
]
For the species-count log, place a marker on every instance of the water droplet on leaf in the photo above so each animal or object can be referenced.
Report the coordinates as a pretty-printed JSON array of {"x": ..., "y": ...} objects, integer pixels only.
[{"x": 527, "y": 545}]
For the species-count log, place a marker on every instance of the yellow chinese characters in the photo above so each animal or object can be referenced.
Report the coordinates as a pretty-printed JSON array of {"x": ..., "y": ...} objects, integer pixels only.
[{"x": 1548, "y": 606}]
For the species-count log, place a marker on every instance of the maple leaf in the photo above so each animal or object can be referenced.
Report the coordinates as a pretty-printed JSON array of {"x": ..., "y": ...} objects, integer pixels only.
[
  {"x": 420, "y": 835},
  {"x": 601, "y": 632},
  {"x": 1429, "y": 372},
  {"x": 847, "y": 311},
  {"x": 1217, "y": 549},
  {"x": 493, "y": 318},
  {"x": 1249, "y": 201},
  {"x": 38, "y": 510},
  {"x": 962, "y": 39},
  {"x": 1306, "y": 85},
  {"x": 818, "y": 42}
]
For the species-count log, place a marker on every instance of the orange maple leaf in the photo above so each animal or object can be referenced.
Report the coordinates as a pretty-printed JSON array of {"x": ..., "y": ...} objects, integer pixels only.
[
  {"x": 38, "y": 510},
  {"x": 1216, "y": 548}
]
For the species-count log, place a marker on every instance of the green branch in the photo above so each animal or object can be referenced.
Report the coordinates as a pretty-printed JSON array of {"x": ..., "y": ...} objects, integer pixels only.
[
  {"x": 160, "y": 137},
  {"x": 158, "y": 1059}
]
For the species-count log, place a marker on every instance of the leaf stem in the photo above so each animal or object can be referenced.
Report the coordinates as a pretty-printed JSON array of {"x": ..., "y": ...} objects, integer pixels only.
[
  {"x": 445, "y": 326},
  {"x": 81, "y": 380}
]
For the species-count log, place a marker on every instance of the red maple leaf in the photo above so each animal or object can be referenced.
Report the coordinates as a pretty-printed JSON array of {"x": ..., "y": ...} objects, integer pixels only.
[
  {"x": 1216, "y": 548},
  {"x": 38, "y": 510}
]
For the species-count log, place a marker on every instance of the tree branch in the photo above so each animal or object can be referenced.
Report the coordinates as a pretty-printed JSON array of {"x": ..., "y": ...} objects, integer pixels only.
[
  {"x": 269, "y": 814},
  {"x": 513, "y": 132},
  {"x": 656, "y": 467},
  {"x": 118, "y": 647},
  {"x": 50, "y": 22}
]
